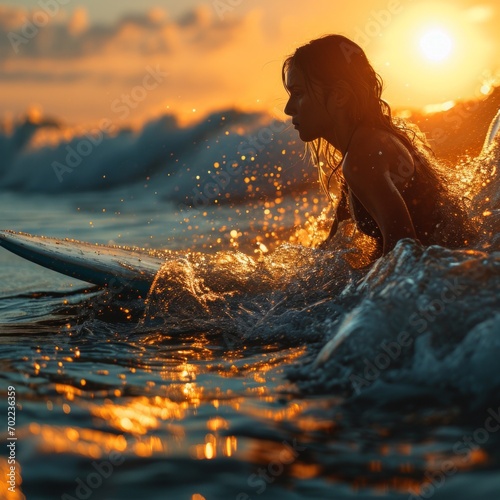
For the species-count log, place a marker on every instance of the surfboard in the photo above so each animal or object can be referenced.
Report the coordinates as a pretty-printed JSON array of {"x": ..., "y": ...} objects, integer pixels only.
[
  {"x": 122, "y": 268},
  {"x": 493, "y": 131}
]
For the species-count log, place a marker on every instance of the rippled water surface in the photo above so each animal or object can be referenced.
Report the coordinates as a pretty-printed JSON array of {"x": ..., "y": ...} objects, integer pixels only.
[{"x": 291, "y": 373}]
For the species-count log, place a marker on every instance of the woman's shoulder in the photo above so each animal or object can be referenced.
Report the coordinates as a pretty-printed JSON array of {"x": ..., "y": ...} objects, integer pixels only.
[
  {"x": 372, "y": 144},
  {"x": 382, "y": 151},
  {"x": 371, "y": 139},
  {"x": 379, "y": 145}
]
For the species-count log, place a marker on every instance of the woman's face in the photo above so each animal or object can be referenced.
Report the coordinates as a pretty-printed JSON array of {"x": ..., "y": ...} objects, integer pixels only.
[{"x": 309, "y": 116}]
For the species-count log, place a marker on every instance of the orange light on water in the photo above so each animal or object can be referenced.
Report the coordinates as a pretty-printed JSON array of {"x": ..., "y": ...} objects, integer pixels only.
[
  {"x": 86, "y": 442},
  {"x": 209, "y": 451},
  {"x": 305, "y": 471},
  {"x": 217, "y": 423},
  {"x": 139, "y": 415},
  {"x": 215, "y": 446}
]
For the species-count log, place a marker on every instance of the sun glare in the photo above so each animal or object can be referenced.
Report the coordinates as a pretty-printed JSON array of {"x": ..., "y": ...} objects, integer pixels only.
[
  {"x": 432, "y": 53},
  {"x": 436, "y": 45}
]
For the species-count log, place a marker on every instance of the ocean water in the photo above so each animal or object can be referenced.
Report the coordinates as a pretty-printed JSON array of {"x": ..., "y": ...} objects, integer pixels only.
[{"x": 257, "y": 366}]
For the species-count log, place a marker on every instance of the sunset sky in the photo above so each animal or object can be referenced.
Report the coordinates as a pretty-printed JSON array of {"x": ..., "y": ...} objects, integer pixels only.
[{"x": 126, "y": 60}]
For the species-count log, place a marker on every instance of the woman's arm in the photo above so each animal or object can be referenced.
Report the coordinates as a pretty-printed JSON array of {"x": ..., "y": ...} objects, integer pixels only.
[{"x": 367, "y": 173}]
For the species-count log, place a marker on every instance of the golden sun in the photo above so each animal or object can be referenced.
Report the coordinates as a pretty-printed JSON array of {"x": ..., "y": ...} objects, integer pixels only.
[{"x": 436, "y": 45}]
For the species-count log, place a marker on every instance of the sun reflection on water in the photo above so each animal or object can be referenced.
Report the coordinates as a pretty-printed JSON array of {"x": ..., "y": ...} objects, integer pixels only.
[{"x": 181, "y": 403}]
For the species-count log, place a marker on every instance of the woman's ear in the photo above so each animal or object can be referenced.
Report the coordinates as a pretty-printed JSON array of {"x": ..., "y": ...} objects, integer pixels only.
[{"x": 341, "y": 94}]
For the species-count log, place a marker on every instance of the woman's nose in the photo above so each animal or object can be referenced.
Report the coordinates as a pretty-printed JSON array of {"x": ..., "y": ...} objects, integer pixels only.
[{"x": 288, "y": 108}]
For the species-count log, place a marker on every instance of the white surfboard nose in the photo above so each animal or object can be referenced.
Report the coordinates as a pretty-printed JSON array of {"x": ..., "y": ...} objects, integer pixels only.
[
  {"x": 129, "y": 268},
  {"x": 493, "y": 131}
]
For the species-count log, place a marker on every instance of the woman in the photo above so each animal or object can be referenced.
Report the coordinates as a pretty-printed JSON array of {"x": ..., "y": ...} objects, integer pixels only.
[{"x": 383, "y": 169}]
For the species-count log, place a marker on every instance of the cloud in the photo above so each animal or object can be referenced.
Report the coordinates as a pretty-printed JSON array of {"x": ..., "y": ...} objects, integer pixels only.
[
  {"x": 79, "y": 22},
  {"x": 41, "y": 76},
  {"x": 37, "y": 34},
  {"x": 74, "y": 69},
  {"x": 480, "y": 13}
]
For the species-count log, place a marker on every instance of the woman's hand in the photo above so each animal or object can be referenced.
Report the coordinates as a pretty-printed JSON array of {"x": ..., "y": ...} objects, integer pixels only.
[{"x": 333, "y": 231}]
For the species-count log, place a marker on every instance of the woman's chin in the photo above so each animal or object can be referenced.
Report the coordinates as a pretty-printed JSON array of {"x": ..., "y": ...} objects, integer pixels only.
[
  {"x": 304, "y": 136},
  {"x": 307, "y": 134}
]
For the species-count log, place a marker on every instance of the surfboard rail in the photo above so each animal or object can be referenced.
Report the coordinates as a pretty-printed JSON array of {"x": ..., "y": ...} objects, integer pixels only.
[
  {"x": 123, "y": 268},
  {"x": 493, "y": 132}
]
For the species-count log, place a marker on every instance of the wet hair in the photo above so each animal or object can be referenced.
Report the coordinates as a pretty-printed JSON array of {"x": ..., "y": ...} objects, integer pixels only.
[{"x": 334, "y": 61}]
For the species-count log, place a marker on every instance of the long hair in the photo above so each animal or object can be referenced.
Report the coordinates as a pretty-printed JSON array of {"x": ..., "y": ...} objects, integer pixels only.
[{"x": 334, "y": 60}]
